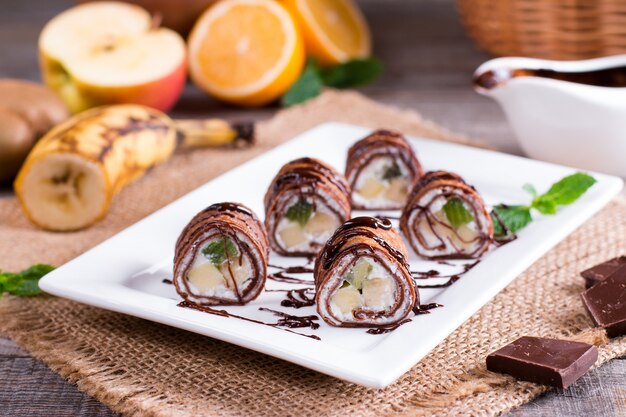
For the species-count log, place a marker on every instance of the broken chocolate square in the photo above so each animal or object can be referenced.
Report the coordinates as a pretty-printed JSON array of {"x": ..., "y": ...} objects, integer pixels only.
[
  {"x": 601, "y": 271},
  {"x": 606, "y": 303},
  {"x": 553, "y": 362}
]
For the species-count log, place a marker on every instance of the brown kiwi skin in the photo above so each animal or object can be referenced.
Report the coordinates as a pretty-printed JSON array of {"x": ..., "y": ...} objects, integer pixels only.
[{"x": 27, "y": 111}]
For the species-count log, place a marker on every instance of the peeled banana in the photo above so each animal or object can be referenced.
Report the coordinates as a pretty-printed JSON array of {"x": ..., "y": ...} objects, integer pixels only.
[
  {"x": 69, "y": 178},
  {"x": 71, "y": 175}
]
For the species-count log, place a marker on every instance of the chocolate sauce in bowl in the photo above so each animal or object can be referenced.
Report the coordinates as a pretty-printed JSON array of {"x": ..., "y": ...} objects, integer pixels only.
[{"x": 607, "y": 77}]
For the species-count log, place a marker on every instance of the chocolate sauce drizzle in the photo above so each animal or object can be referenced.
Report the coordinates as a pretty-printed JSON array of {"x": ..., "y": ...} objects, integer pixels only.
[
  {"x": 299, "y": 298},
  {"x": 425, "y": 308},
  {"x": 382, "y": 330},
  {"x": 348, "y": 230},
  {"x": 452, "y": 278},
  {"x": 286, "y": 321},
  {"x": 282, "y": 277},
  {"x": 230, "y": 207},
  {"x": 293, "y": 322},
  {"x": 509, "y": 235},
  {"x": 167, "y": 281}
]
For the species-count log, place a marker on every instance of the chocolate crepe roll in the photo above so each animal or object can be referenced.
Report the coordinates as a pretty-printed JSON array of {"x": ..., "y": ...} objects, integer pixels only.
[
  {"x": 446, "y": 218},
  {"x": 305, "y": 203},
  {"x": 381, "y": 170},
  {"x": 362, "y": 278},
  {"x": 221, "y": 256}
]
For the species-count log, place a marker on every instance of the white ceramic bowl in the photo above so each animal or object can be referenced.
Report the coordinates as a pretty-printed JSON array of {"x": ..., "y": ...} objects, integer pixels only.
[{"x": 568, "y": 123}]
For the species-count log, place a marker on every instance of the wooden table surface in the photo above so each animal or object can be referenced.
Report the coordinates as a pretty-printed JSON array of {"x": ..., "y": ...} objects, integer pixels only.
[{"x": 429, "y": 62}]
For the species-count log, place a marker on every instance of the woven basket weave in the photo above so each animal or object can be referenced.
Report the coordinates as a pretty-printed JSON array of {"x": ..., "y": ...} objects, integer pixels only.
[{"x": 553, "y": 29}]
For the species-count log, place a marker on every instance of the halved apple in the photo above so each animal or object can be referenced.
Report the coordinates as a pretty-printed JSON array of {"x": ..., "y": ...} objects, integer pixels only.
[{"x": 110, "y": 53}]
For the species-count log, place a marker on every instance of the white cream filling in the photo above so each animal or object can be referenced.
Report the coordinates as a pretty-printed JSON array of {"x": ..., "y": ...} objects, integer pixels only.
[{"x": 371, "y": 191}]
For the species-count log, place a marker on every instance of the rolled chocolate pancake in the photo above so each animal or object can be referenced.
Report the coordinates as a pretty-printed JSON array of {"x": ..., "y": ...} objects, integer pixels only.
[
  {"x": 362, "y": 278},
  {"x": 305, "y": 203},
  {"x": 381, "y": 170},
  {"x": 221, "y": 256},
  {"x": 446, "y": 218}
]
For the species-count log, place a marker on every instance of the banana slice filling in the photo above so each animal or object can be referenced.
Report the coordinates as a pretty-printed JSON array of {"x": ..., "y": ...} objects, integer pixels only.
[
  {"x": 305, "y": 226},
  {"x": 367, "y": 288},
  {"x": 383, "y": 182},
  {"x": 220, "y": 270}
]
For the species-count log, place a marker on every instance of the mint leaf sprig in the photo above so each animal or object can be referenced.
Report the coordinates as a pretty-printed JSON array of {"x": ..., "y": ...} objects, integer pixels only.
[
  {"x": 25, "y": 283},
  {"x": 456, "y": 213},
  {"x": 300, "y": 212},
  {"x": 509, "y": 219},
  {"x": 350, "y": 74},
  {"x": 219, "y": 250}
]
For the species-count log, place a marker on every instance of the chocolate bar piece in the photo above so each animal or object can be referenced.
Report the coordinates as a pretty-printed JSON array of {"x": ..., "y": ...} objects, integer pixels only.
[
  {"x": 606, "y": 303},
  {"x": 601, "y": 271},
  {"x": 553, "y": 362}
]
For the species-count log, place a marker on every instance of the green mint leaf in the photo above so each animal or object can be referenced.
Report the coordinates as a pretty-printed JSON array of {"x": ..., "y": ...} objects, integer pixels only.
[
  {"x": 24, "y": 287},
  {"x": 509, "y": 219},
  {"x": 456, "y": 213},
  {"x": 391, "y": 171},
  {"x": 36, "y": 271},
  {"x": 353, "y": 73},
  {"x": 218, "y": 250},
  {"x": 307, "y": 86},
  {"x": 530, "y": 189},
  {"x": 563, "y": 192},
  {"x": 25, "y": 283},
  {"x": 300, "y": 212}
]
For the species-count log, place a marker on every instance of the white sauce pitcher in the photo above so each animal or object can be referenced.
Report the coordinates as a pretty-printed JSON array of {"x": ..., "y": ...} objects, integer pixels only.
[{"x": 567, "y": 112}]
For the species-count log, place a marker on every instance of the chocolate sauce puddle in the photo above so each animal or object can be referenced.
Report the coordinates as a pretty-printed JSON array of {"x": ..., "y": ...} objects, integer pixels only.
[
  {"x": 287, "y": 320},
  {"x": 383, "y": 330}
]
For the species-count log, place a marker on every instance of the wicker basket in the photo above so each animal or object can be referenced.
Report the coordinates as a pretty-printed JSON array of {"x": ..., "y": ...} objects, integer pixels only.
[{"x": 554, "y": 29}]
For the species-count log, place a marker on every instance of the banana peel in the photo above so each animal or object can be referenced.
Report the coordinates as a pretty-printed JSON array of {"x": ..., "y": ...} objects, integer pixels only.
[{"x": 70, "y": 177}]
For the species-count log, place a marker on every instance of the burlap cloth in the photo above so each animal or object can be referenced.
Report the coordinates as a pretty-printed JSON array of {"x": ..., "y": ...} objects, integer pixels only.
[{"x": 141, "y": 368}]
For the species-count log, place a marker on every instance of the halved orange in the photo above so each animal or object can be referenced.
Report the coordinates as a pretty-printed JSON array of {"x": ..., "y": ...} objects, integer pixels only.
[
  {"x": 334, "y": 31},
  {"x": 246, "y": 52}
]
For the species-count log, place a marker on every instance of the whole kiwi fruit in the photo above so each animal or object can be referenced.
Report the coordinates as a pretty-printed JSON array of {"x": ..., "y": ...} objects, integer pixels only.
[{"x": 27, "y": 111}]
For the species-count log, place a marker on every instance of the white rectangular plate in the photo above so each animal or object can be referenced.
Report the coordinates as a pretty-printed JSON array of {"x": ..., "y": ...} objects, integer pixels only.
[{"x": 125, "y": 273}]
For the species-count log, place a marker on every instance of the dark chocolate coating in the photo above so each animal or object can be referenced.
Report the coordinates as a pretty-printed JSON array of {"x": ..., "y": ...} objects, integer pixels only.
[
  {"x": 381, "y": 143},
  {"x": 554, "y": 362},
  {"x": 601, "y": 271},
  {"x": 229, "y": 220},
  {"x": 372, "y": 237},
  {"x": 606, "y": 303},
  {"x": 306, "y": 177}
]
